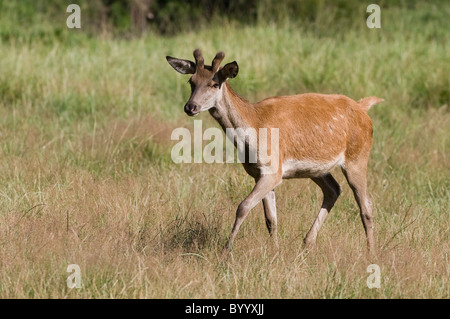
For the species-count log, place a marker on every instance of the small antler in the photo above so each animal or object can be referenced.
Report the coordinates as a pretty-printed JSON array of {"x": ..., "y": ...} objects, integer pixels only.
[
  {"x": 217, "y": 60},
  {"x": 199, "y": 59}
]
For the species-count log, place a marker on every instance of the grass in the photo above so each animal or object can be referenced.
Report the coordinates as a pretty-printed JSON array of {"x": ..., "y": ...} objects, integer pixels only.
[{"x": 86, "y": 175}]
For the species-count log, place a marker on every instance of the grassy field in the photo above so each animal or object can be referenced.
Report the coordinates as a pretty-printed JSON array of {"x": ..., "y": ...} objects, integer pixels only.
[{"x": 86, "y": 175}]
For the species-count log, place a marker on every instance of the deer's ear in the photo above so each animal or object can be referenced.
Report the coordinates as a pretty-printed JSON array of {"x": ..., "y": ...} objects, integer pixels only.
[
  {"x": 229, "y": 71},
  {"x": 181, "y": 66}
]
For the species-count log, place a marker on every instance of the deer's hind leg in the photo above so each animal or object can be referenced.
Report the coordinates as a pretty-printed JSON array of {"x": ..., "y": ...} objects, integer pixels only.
[{"x": 355, "y": 173}]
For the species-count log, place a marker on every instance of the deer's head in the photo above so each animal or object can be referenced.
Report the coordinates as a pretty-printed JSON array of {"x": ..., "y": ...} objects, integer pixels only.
[{"x": 206, "y": 80}]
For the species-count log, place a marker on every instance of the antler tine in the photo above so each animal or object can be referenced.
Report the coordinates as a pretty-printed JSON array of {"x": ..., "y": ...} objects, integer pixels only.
[
  {"x": 217, "y": 60},
  {"x": 199, "y": 59}
]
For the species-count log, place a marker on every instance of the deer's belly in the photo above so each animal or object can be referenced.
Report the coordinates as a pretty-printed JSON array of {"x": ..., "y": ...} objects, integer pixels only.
[{"x": 309, "y": 168}]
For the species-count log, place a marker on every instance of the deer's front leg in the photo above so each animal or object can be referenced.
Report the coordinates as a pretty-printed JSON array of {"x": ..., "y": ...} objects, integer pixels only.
[
  {"x": 270, "y": 212},
  {"x": 264, "y": 185}
]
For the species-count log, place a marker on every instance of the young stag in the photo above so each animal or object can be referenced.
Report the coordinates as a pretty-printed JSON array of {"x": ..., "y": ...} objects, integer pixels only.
[{"x": 317, "y": 132}]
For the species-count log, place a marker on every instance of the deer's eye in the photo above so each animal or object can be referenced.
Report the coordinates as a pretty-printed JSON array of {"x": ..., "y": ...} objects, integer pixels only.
[{"x": 215, "y": 85}]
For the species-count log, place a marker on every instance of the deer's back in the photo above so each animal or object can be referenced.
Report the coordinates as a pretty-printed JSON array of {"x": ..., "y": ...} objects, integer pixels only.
[{"x": 316, "y": 131}]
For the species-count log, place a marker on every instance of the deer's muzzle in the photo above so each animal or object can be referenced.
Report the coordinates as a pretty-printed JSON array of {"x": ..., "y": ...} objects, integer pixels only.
[{"x": 191, "y": 109}]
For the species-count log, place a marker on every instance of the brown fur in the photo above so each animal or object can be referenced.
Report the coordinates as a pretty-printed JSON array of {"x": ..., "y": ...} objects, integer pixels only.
[{"x": 314, "y": 126}]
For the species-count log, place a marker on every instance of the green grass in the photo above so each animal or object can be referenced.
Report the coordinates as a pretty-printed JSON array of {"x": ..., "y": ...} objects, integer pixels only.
[{"x": 86, "y": 175}]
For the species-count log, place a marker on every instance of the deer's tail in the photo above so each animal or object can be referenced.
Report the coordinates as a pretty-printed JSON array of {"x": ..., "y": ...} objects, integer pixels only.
[{"x": 367, "y": 102}]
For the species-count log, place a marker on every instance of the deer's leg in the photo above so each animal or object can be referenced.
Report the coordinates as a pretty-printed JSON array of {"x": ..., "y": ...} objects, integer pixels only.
[
  {"x": 270, "y": 212},
  {"x": 264, "y": 185},
  {"x": 355, "y": 173},
  {"x": 331, "y": 191}
]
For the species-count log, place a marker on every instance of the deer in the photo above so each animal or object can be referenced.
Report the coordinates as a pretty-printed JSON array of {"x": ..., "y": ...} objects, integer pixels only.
[{"x": 317, "y": 132}]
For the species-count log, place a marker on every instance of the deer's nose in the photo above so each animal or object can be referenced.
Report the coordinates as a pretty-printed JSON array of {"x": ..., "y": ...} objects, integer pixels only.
[{"x": 191, "y": 109}]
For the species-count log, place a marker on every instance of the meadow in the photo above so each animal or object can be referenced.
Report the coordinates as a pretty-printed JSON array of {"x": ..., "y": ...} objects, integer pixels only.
[{"x": 86, "y": 175}]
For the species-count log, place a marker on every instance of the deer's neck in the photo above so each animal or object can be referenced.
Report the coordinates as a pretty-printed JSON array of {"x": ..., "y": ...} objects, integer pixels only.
[{"x": 232, "y": 111}]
